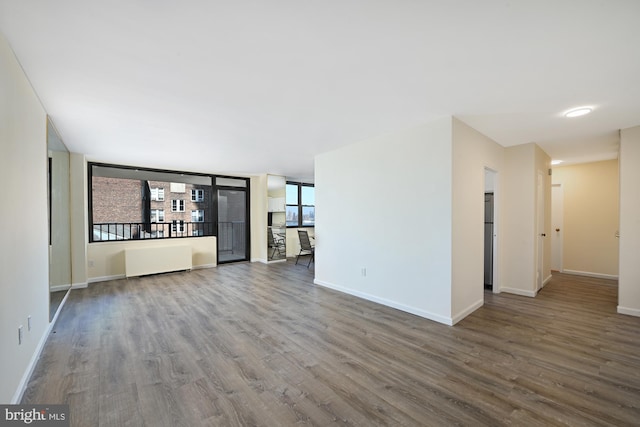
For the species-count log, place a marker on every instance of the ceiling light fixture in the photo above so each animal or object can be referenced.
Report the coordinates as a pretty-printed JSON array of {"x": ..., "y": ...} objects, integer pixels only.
[
  {"x": 556, "y": 162},
  {"x": 577, "y": 112}
]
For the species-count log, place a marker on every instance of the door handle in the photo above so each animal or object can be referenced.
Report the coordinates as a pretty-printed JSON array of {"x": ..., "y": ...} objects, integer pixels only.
[
  {"x": 543, "y": 235},
  {"x": 557, "y": 230}
]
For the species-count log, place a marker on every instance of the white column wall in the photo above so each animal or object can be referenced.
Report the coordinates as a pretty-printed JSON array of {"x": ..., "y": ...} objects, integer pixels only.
[
  {"x": 259, "y": 218},
  {"x": 629, "y": 271},
  {"x": 472, "y": 153},
  {"x": 518, "y": 221},
  {"x": 79, "y": 220},
  {"x": 24, "y": 286},
  {"x": 383, "y": 220}
]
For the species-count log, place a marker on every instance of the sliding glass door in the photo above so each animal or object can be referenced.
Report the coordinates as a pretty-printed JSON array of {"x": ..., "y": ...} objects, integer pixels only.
[{"x": 233, "y": 227}]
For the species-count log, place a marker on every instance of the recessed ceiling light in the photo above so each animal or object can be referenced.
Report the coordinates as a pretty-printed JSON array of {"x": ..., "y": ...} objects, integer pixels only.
[
  {"x": 556, "y": 162},
  {"x": 577, "y": 112}
]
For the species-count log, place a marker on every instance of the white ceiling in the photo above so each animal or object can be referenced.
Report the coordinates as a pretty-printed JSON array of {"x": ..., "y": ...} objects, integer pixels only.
[{"x": 262, "y": 86}]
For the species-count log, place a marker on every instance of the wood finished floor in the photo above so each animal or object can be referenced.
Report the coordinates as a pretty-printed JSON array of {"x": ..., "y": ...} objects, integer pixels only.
[{"x": 250, "y": 344}]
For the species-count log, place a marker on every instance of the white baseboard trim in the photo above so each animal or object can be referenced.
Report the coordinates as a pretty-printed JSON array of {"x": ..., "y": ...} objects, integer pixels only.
[
  {"x": 519, "y": 292},
  {"x": 106, "y": 278},
  {"x": 266, "y": 261},
  {"x": 590, "y": 274},
  {"x": 544, "y": 283},
  {"x": 467, "y": 311},
  {"x": 22, "y": 386},
  {"x": 57, "y": 288},
  {"x": 629, "y": 311},
  {"x": 79, "y": 285},
  {"x": 203, "y": 266},
  {"x": 393, "y": 304}
]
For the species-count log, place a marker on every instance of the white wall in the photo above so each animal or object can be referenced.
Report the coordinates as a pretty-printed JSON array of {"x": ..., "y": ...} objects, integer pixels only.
[
  {"x": 518, "y": 224},
  {"x": 24, "y": 289},
  {"x": 79, "y": 219},
  {"x": 259, "y": 218},
  {"x": 106, "y": 260},
  {"x": 385, "y": 205},
  {"x": 60, "y": 247},
  {"x": 589, "y": 243},
  {"x": 629, "y": 272},
  {"x": 518, "y": 221},
  {"x": 472, "y": 153}
]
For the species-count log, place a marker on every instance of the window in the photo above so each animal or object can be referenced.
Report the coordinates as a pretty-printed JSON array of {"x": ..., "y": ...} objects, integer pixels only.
[
  {"x": 197, "y": 195},
  {"x": 301, "y": 211},
  {"x": 128, "y": 202},
  {"x": 197, "y": 216},
  {"x": 177, "y": 206},
  {"x": 157, "y": 215},
  {"x": 157, "y": 194}
]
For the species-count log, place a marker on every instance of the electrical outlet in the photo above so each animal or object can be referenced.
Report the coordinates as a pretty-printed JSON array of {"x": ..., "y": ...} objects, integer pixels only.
[
  {"x": 363, "y": 271},
  {"x": 29, "y": 323},
  {"x": 19, "y": 334},
  {"x": 90, "y": 263}
]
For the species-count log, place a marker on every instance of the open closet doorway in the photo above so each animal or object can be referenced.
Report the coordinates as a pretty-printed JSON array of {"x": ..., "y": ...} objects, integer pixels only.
[{"x": 490, "y": 230}]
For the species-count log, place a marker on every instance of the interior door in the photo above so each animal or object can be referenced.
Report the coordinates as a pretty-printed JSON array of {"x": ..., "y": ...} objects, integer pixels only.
[
  {"x": 557, "y": 203},
  {"x": 540, "y": 231}
]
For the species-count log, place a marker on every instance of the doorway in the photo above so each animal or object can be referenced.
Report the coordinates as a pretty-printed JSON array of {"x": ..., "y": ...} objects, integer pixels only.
[
  {"x": 491, "y": 198},
  {"x": 557, "y": 216},
  {"x": 488, "y": 240},
  {"x": 540, "y": 232},
  {"x": 232, "y": 202}
]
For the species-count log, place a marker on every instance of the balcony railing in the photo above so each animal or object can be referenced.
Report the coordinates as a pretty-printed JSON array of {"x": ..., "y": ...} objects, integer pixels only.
[{"x": 103, "y": 232}]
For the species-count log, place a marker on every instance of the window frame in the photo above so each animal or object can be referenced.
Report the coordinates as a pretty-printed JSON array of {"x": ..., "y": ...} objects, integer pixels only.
[
  {"x": 159, "y": 213},
  {"x": 177, "y": 205},
  {"x": 159, "y": 191},
  {"x": 199, "y": 215},
  {"x": 206, "y": 205},
  {"x": 300, "y": 206},
  {"x": 197, "y": 195}
]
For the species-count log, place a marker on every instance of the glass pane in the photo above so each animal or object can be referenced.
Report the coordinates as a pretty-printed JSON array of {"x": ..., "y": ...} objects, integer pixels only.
[
  {"x": 308, "y": 195},
  {"x": 232, "y": 226},
  {"x": 308, "y": 215},
  {"x": 292, "y": 194},
  {"x": 124, "y": 208},
  {"x": 231, "y": 182},
  {"x": 292, "y": 216}
]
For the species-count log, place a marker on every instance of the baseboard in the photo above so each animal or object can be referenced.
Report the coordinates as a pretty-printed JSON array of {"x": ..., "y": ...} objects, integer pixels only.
[
  {"x": 393, "y": 304},
  {"x": 203, "y": 266},
  {"x": 629, "y": 311},
  {"x": 262, "y": 260},
  {"x": 79, "y": 285},
  {"x": 519, "y": 292},
  {"x": 467, "y": 311},
  {"x": 106, "y": 278},
  {"x": 549, "y": 277},
  {"x": 590, "y": 274},
  {"x": 57, "y": 288},
  {"x": 22, "y": 386}
]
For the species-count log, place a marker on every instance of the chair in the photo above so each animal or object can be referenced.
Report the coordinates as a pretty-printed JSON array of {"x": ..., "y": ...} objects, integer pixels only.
[
  {"x": 275, "y": 242},
  {"x": 306, "y": 248}
]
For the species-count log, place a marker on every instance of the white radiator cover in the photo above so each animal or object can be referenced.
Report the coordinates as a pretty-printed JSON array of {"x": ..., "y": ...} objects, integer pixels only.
[{"x": 141, "y": 261}]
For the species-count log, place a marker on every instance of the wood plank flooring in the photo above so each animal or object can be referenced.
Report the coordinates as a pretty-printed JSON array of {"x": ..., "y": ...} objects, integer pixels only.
[{"x": 251, "y": 344}]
